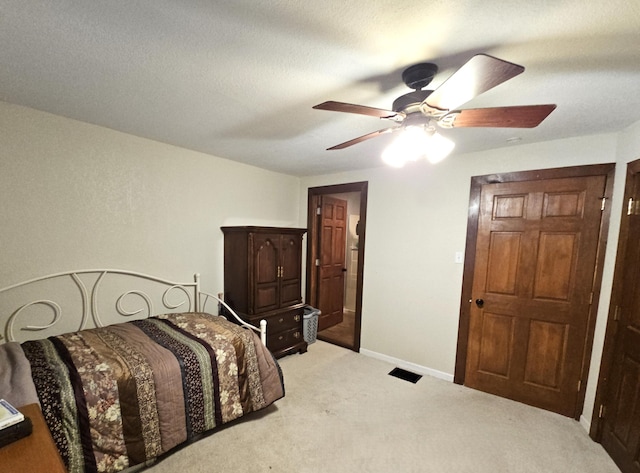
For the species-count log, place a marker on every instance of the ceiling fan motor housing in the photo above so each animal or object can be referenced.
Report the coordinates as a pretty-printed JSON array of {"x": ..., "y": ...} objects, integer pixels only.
[
  {"x": 420, "y": 75},
  {"x": 410, "y": 102},
  {"x": 415, "y": 77}
]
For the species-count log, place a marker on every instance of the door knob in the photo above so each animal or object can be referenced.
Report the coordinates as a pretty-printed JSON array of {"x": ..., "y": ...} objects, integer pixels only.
[{"x": 480, "y": 302}]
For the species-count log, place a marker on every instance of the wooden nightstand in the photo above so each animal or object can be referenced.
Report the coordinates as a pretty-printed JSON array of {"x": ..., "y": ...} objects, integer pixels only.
[{"x": 35, "y": 453}]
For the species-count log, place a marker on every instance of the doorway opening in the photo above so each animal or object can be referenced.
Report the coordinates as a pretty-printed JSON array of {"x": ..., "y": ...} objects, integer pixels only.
[{"x": 336, "y": 225}]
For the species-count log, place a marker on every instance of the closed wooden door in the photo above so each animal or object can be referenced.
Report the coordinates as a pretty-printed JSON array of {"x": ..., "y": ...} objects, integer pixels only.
[
  {"x": 621, "y": 411},
  {"x": 333, "y": 216},
  {"x": 535, "y": 260}
]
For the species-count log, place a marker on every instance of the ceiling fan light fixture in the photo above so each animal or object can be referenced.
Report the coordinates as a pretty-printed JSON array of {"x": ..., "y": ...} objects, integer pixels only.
[
  {"x": 426, "y": 109},
  {"x": 408, "y": 146},
  {"x": 416, "y": 142},
  {"x": 439, "y": 148}
]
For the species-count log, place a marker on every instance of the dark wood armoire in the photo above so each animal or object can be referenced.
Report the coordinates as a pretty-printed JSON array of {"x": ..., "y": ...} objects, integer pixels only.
[{"x": 263, "y": 280}]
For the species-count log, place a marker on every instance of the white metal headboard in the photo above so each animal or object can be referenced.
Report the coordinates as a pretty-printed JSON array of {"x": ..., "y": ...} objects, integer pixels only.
[{"x": 172, "y": 296}]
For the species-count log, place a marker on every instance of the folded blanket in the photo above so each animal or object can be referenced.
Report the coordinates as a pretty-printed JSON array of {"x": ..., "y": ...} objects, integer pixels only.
[{"x": 16, "y": 385}]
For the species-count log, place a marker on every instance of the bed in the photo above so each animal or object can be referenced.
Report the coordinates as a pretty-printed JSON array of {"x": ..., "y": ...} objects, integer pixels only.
[{"x": 140, "y": 366}]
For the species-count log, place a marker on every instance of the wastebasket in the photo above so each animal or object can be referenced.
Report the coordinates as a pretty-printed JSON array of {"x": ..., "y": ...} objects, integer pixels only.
[{"x": 310, "y": 324}]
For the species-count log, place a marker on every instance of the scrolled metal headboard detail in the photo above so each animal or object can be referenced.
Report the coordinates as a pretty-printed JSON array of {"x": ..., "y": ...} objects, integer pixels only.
[{"x": 186, "y": 297}]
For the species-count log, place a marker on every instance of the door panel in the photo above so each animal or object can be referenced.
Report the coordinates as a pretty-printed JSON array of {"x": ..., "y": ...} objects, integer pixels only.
[
  {"x": 266, "y": 271},
  {"x": 621, "y": 423},
  {"x": 496, "y": 345},
  {"x": 332, "y": 261},
  {"x": 503, "y": 262},
  {"x": 546, "y": 350},
  {"x": 291, "y": 264},
  {"x": 554, "y": 265},
  {"x": 535, "y": 260}
]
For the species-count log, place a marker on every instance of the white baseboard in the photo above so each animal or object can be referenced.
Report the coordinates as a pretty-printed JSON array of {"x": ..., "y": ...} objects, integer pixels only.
[
  {"x": 419, "y": 369},
  {"x": 585, "y": 423}
]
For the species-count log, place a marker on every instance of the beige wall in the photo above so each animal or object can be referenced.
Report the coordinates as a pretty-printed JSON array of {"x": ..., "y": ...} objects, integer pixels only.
[
  {"x": 416, "y": 222},
  {"x": 78, "y": 196}
]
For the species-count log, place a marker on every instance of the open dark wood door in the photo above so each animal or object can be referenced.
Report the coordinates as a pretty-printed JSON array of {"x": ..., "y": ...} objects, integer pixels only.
[
  {"x": 331, "y": 268},
  {"x": 532, "y": 292},
  {"x": 347, "y": 333},
  {"x": 620, "y": 412}
]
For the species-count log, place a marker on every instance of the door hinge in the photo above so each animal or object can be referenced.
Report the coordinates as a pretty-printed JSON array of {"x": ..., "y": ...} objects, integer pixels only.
[
  {"x": 604, "y": 203},
  {"x": 318, "y": 262},
  {"x": 602, "y": 411},
  {"x": 319, "y": 211},
  {"x": 591, "y": 298},
  {"x": 631, "y": 207},
  {"x": 579, "y": 384}
]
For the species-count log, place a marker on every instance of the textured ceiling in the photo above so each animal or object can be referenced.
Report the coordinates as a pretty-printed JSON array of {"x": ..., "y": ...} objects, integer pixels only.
[{"x": 237, "y": 79}]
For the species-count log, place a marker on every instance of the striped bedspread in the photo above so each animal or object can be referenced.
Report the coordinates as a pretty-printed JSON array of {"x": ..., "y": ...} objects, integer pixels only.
[{"x": 118, "y": 396}]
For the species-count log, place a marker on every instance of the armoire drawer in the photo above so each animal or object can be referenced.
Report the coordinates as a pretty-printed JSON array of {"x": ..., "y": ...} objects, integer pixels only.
[
  {"x": 284, "y": 321},
  {"x": 277, "y": 341}
]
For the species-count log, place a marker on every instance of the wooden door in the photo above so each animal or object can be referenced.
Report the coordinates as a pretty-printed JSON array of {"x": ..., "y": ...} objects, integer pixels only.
[
  {"x": 532, "y": 289},
  {"x": 621, "y": 410},
  {"x": 333, "y": 215},
  {"x": 314, "y": 225}
]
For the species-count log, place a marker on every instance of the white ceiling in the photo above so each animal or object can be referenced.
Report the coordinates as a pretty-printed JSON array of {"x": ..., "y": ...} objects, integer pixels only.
[{"x": 237, "y": 79}]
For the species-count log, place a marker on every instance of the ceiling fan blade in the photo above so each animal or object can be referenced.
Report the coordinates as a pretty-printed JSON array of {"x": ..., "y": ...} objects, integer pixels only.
[
  {"x": 523, "y": 116},
  {"x": 481, "y": 73},
  {"x": 360, "y": 109},
  {"x": 362, "y": 138}
]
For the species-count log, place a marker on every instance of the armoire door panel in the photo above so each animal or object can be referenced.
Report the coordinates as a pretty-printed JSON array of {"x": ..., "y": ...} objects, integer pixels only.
[
  {"x": 266, "y": 260},
  {"x": 266, "y": 297},
  {"x": 291, "y": 269},
  {"x": 290, "y": 292},
  {"x": 266, "y": 256},
  {"x": 290, "y": 259}
]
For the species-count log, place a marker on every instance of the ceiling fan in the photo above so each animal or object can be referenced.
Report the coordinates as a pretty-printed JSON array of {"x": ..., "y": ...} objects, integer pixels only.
[{"x": 425, "y": 109}]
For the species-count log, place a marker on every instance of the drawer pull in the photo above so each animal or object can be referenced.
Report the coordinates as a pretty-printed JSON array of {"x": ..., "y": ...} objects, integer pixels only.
[
  {"x": 281, "y": 320},
  {"x": 297, "y": 318},
  {"x": 281, "y": 337},
  {"x": 296, "y": 335}
]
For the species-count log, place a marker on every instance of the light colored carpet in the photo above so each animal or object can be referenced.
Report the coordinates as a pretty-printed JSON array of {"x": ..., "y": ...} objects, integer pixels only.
[{"x": 343, "y": 414}]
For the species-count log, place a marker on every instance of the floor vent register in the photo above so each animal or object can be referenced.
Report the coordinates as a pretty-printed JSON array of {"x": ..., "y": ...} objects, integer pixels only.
[{"x": 406, "y": 375}]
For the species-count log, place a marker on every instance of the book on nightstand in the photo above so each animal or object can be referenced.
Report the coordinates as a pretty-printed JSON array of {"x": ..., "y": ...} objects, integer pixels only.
[
  {"x": 15, "y": 432},
  {"x": 13, "y": 424},
  {"x": 9, "y": 415}
]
